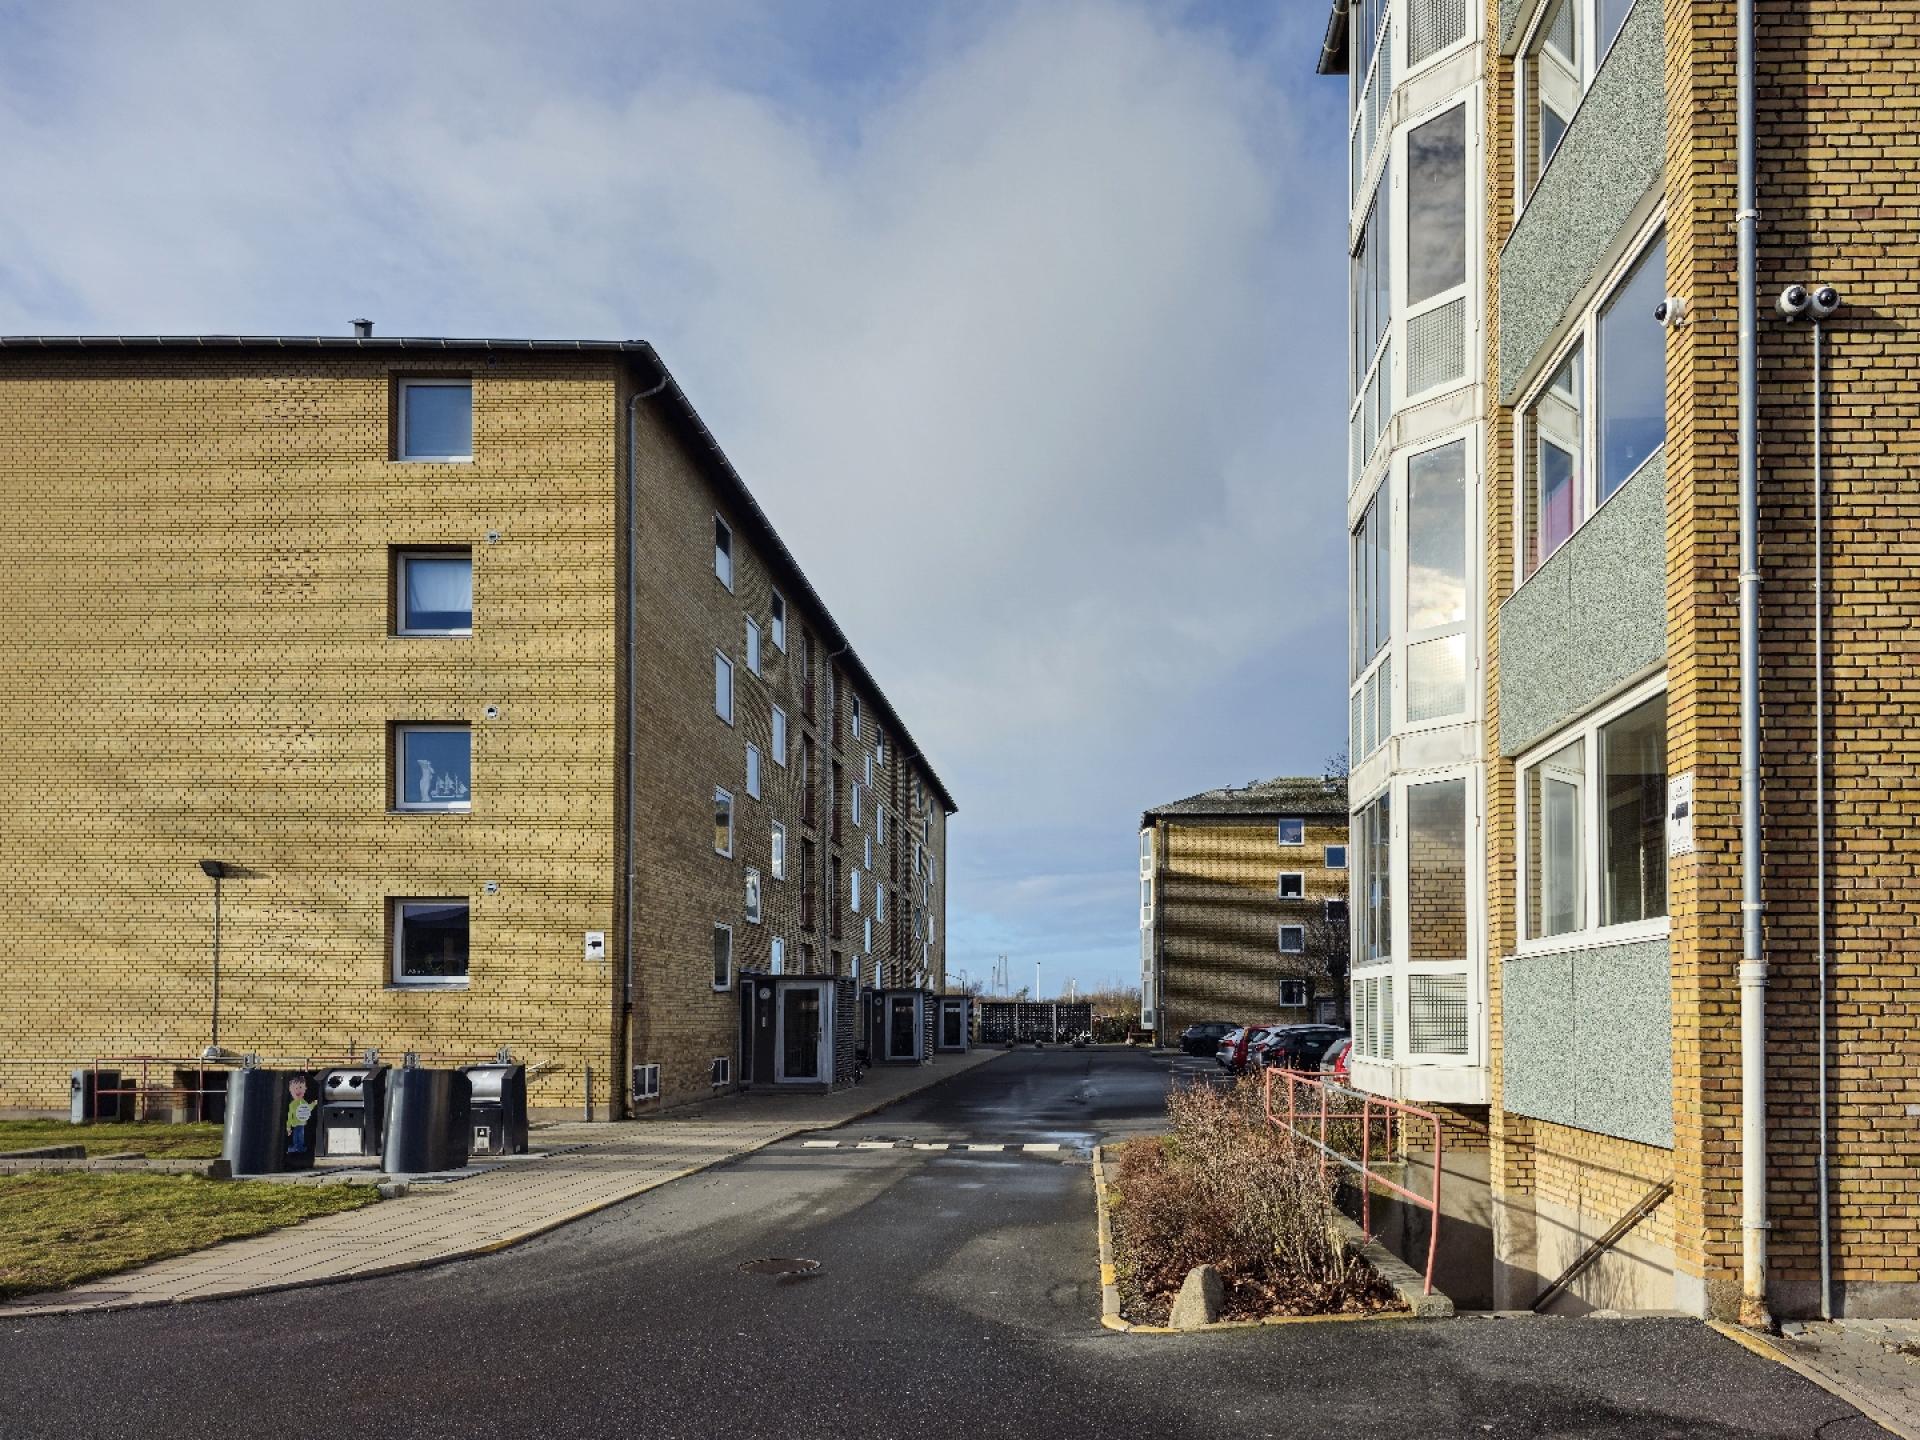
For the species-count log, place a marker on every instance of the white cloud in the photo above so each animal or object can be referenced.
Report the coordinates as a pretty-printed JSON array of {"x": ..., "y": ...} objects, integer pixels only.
[{"x": 1024, "y": 322}]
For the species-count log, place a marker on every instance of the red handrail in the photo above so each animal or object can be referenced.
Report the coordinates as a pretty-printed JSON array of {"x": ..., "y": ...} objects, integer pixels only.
[{"x": 1371, "y": 1110}]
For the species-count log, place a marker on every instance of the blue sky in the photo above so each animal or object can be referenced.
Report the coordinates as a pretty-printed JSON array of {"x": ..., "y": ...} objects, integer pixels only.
[{"x": 1025, "y": 321}]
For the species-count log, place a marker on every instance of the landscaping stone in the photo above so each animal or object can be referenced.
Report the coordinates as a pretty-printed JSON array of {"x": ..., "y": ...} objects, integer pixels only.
[{"x": 1199, "y": 1300}]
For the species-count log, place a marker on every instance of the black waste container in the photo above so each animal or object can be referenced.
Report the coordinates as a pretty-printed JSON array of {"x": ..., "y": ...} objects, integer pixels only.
[
  {"x": 272, "y": 1120},
  {"x": 99, "y": 1095},
  {"x": 498, "y": 1119},
  {"x": 427, "y": 1121},
  {"x": 353, "y": 1110}
]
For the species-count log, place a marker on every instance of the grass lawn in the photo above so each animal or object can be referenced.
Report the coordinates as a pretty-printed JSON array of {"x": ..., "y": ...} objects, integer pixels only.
[
  {"x": 174, "y": 1142},
  {"x": 62, "y": 1228}
]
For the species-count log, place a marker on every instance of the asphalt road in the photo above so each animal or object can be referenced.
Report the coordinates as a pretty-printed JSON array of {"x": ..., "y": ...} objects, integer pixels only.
[{"x": 957, "y": 1293}]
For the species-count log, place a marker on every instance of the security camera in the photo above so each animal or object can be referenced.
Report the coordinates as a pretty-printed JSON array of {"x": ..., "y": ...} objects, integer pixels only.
[
  {"x": 1823, "y": 302},
  {"x": 1793, "y": 301},
  {"x": 1671, "y": 312}
]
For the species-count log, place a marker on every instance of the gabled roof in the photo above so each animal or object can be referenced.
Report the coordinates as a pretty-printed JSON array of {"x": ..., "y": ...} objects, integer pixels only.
[
  {"x": 654, "y": 377},
  {"x": 1282, "y": 795}
]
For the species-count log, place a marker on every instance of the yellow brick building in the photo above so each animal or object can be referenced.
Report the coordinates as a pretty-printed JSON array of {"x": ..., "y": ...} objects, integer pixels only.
[
  {"x": 1243, "y": 906},
  {"x": 408, "y": 638}
]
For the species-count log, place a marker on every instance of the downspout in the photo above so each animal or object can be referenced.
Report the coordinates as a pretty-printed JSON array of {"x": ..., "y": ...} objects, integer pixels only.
[
  {"x": 622, "y": 1103},
  {"x": 1820, "y": 812},
  {"x": 1753, "y": 965}
]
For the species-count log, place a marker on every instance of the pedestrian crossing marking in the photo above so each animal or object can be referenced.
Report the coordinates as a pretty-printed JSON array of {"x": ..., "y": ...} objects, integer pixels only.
[{"x": 977, "y": 1147}]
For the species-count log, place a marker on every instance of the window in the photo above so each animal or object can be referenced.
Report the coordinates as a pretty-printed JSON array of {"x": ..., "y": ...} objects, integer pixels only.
[
  {"x": 869, "y": 769},
  {"x": 880, "y": 748},
  {"x": 429, "y": 942},
  {"x": 779, "y": 736},
  {"x": 1290, "y": 832},
  {"x": 753, "y": 896},
  {"x": 753, "y": 771},
  {"x": 853, "y": 803},
  {"x": 753, "y": 647},
  {"x": 880, "y": 903},
  {"x": 1293, "y": 884},
  {"x": 436, "y": 420},
  {"x": 1633, "y": 795},
  {"x": 880, "y": 823},
  {"x": 722, "y": 552},
  {"x": 723, "y": 687},
  {"x": 1436, "y": 585},
  {"x": 856, "y": 717},
  {"x": 722, "y": 823},
  {"x": 432, "y": 767},
  {"x": 1576, "y": 454},
  {"x": 722, "y": 957},
  {"x": 1146, "y": 848},
  {"x": 1146, "y": 901},
  {"x": 1373, "y": 884},
  {"x": 1293, "y": 939},
  {"x": 1336, "y": 857},
  {"x": 778, "y": 964},
  {"x": 1369, "y": 624},
  {"x": 778, "y": 633},
  {"x": 1554, "y": 803},
  {"x": 1370, "y": 301},
  {"x": 1336, "y": 911},
  {"x": 867, "y": 853},
  {"x": 1293, "y": 994},
  {"x": 1437, "y": 206},
  {"x": 433, "y": 592},
  {"x": 1559, "y": 59},
  {"x": 854, "y": 895},
  {"x": 777, "y": 862},
  {"x": 1436, "y": 825},
  {"x": 867, "y": 934}
]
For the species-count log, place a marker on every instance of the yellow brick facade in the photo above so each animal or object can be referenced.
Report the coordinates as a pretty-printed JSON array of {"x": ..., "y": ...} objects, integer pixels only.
[{"x": 198, "y": 662}]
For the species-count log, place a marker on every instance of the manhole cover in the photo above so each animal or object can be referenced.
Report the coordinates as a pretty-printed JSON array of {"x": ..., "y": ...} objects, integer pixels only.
[{"x": 781, "y": 1267}]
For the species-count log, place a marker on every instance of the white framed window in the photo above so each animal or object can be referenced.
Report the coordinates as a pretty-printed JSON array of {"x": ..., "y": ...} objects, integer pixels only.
[
  {"x": 854, "y": 801},
  {"x": 868, "y": 759},
  {"x": 430, "y": 941},
  {"x": 1336, "y": 857},
  {"x": 1439, "y": 248},
  {"x": 777, "y": 964},
  {"x": 722, "y": 956},
  {"x": 1369, "y": 624},
  {"x": 432, "y": 767},
  {"x": 753, "y": 771},
  {"x": 753, "y": 646},
  {"x": 779, "y": 737},
  {"x": 777, "y": 628},
  {"x": 1146, "y": 851},
  {"x": 1336, "y": 910},
  {"x": 1293, "y": 884},
  {"x": 1373, "y": 882},
  {"x": 435, "y": 419},
  {"x": 1293, "y": 939},
  {"x": 1559, "y": 56},
  {"x": 867, "y": 934},
  {"x": 753, "y": 896},
  {"x": 777, "y": 861},
  {"x": 867, "y": 851},
  {"x": 880, "y": 903},
  {"x": 1290, "y": 832},
  {"x": 1592, "y": 822},
  {"x": 1146, "y": 901},
  {"x": 1293, "y": 994},
  {"x": 880, "y": 748},
  {"x": 433, "y": 591},
  {"x": 723, "y": 552},
  {"x": 1600, "y": 413},
  {"x": 855, "y": 874},
  {"x": 723, "y": 686},
  {"x": 880, "y": 823},
  {"x": 722, "y": 822},
  {"x": 1370, "y": 306},
  {"x": 856, "y": 715},
  {"x": 720, "y": 1071}
]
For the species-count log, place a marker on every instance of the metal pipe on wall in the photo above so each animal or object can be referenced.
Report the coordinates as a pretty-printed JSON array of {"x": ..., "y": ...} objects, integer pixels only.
[
  {"x": 1820, "y": 806},
  {"x": 1753, "y": 966}
]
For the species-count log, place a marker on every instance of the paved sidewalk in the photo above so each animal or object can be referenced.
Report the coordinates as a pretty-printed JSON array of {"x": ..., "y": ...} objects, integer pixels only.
[
  {"x": 494, "y": 1204},
  {"x": 1873, "y": 1365}
]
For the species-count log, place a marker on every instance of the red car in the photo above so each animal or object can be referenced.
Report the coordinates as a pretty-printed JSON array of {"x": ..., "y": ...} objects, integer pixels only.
[{"x": 1333, "y": 1064}]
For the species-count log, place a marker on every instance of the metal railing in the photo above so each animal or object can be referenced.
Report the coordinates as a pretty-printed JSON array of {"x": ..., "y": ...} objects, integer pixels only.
[{"x": 1337, "y": 1119}]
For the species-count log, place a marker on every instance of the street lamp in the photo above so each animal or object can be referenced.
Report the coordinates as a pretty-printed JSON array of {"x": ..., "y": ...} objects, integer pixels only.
[{"x": 216, "y": 871}]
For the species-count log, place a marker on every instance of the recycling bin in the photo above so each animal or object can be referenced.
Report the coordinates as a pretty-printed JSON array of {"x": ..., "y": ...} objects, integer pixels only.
[
  {"x": 99, "y": 1095},
  {"x": 427, "y": 1121},
  {"x": 272, "y": 1121},
  {"x": 353, "y": 1110},
  {"x": 498, "y": 1116}
]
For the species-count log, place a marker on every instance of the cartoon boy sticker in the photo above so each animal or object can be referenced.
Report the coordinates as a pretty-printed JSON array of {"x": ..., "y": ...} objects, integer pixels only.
[{"x": 299, "y": 1111}]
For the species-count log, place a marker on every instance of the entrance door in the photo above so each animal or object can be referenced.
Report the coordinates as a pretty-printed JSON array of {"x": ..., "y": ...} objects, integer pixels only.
[
  {"x": 950, "y": 1034},
  {"x": 902, "y": 1015},
  {"x": 799, "y": 1056}
]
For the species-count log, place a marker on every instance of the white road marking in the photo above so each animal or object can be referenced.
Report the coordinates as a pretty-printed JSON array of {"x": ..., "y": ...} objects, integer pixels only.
[
  {"x": 925, "y": 1145},
  {"x": 821, "y": 1144},
  {"x": 1039, "y": 1147},
  {"x": 876, "y": 1145},
  {"x": 986, "y": 1147}
]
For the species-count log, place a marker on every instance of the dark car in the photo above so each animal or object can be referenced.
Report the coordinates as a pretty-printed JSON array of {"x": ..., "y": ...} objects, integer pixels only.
[
  {"x": 1301, "y": 1047},
  {"x": 1204, "y": 1036}
]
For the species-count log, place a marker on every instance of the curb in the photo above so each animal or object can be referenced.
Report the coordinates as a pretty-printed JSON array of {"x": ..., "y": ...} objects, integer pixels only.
[
  {"x": 1110, "y": 1288},
  {"x": 487, "y": 1247},
  {"x": 1765, "y": 1347}
]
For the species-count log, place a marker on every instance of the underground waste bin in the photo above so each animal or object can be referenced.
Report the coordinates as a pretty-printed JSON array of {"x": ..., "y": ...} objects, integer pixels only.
[
  {"x": 271, "y": 1121},
  {"x": 99, "y": 1095},
  {"x": 353, "y": 1110},
  {"x": 498, "y": 1117},
  {"x": 427, "y": 1121}
]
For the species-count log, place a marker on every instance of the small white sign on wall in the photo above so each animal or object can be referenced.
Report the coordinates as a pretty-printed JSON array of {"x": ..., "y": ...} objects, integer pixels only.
[
  {"x": 595, "y": 948},
  {"x": 1680, "y": 815}
]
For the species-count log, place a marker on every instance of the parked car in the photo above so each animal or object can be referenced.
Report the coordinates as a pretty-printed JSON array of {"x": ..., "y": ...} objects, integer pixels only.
[
  {"x": 1233, "y": 1054},
  {"x": 1203, "y": 1037},
  {"x": 1302, "y": 1047},
  {"x": 1261, "y": 1045},
  {"x": 1333, "y": 1064},
  {"x": 1229, "y": 1043}
]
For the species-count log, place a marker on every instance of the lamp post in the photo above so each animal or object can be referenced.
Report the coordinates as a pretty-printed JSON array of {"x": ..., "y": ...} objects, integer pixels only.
[{"x": 216, "y": 871}]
